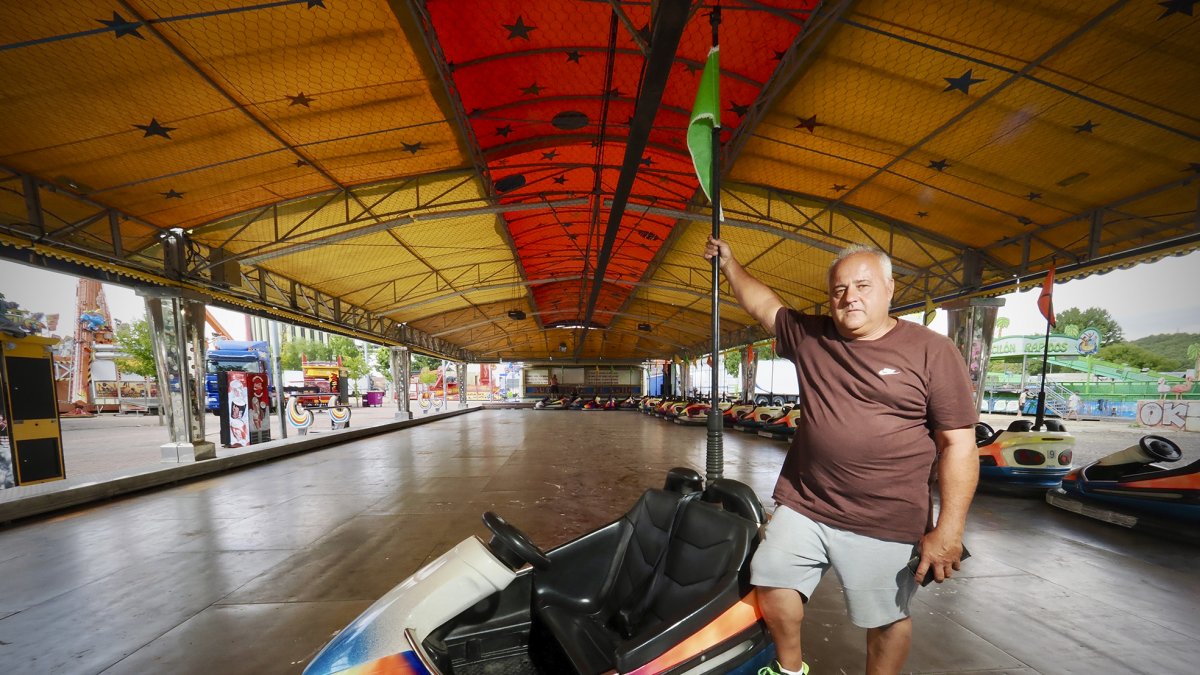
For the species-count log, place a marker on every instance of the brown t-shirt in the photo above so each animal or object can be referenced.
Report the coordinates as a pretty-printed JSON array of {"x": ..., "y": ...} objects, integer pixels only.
[{"x": 864, "y": 449}]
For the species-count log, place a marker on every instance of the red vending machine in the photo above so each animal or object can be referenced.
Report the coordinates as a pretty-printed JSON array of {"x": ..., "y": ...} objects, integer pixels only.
[{"x": 244, "y": 403}]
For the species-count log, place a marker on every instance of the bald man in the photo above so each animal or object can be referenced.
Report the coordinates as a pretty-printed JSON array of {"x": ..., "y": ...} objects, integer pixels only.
[{"x": 882, "y": 403}]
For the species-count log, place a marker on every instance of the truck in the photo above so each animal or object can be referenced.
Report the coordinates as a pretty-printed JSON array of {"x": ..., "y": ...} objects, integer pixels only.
[{"x": 233, "y": 355}]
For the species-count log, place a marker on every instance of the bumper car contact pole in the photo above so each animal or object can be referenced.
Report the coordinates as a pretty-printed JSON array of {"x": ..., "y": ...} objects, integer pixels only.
[{"x": 716, "y": 452}]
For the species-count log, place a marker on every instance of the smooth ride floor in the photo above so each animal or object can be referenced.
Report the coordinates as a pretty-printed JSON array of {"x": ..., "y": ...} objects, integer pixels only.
[{"x": 252, "y": 571}]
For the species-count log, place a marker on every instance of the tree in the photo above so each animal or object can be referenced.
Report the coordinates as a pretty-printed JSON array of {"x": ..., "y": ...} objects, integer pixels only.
[
  {"x": 1093, "y": 317},
  {"x": 352, "y": 357},
  {"x": 1001, "y": 324},
  {"x": 423, "y": 363},
  {"x": 732, "y": 362},
  {"x": 313, "y": 350},
  {"x": 1194, "y": 354},
  {"x": 1135, "y": 356},
  {"x": 1070, "y": 330},
  {"x": 383, "y": 362},
  {"x": 135, "y": 342}
]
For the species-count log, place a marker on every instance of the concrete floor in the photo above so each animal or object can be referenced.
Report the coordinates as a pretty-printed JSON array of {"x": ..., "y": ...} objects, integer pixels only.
[{"x": 252, "y": 571}]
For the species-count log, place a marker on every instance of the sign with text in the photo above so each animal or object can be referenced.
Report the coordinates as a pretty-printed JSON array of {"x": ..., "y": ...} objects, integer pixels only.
[{"x": 1175, "y": 415}]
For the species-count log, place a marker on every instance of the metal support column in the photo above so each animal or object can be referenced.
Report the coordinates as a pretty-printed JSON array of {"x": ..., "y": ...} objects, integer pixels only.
[
  {"x": 461, "y": 366},
  {"x": 177, "y": 326},
  {"x": 400, "y": 363}
]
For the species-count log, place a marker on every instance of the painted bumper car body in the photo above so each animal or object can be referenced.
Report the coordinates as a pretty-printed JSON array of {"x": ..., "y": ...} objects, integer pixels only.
[
  {"x": 1134, "y": 488},
  {"x": 1019, "y": 457},
  {"x": 663, "y": 589}
]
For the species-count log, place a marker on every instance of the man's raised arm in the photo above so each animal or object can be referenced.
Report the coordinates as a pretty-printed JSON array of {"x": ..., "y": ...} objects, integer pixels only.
[{"x": 755, "y": 297}]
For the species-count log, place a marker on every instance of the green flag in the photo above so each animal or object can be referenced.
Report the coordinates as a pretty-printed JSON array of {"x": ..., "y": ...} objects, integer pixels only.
[{"x": 706, "y": 116}]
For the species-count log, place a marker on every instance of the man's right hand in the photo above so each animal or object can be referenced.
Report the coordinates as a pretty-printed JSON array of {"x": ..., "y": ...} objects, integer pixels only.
[{"x": 716, "y": 246}]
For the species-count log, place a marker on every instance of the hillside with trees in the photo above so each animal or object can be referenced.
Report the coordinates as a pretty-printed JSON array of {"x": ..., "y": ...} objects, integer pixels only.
[{"x": 1172, "y": 347}]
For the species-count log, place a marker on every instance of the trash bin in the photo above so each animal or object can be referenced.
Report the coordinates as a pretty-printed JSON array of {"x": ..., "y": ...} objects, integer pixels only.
[{"x": 373, "y": 399}]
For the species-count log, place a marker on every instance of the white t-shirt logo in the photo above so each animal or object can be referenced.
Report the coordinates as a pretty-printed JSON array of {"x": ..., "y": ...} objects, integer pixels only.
[{"x": 888, "y": 371}]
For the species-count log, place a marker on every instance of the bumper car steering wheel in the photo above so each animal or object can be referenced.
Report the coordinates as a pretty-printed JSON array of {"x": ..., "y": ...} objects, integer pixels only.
[{"x": 513, "y": 546}]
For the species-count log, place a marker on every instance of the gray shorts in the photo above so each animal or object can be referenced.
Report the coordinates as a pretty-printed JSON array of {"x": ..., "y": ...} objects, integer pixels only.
[{"x": 796, "y": 552}]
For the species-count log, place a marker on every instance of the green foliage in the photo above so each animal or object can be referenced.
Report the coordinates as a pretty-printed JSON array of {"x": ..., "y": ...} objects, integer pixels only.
[
  {"x": 1002, "y": 323},
  {"x": 313, "y": 350},
  {"x": 1174, "y": 347},
  {"x": 135, "y": 341},
  {"x": 422, "y": 362},
  {"x": 427, "y": 376},
  {"x": 1092, "y": 317},
  {"x": 382, "y": 358},
  {"x": 1070, "y": 330},
  {"x": 732, "y": 362},
  {"x": 1132, "y": 355}
]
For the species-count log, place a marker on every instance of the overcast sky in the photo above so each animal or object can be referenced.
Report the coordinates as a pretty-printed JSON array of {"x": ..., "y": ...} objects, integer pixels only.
[{"x": 1159, "y": 297}]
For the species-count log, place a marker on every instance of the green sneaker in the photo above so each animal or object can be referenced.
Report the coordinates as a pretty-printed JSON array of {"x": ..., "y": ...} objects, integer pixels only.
[{"x": 776, "y": 669}]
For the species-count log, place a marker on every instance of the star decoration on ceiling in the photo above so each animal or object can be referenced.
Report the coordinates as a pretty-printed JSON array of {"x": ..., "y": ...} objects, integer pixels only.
[
  {"x": 940, "y": 165},
  {"x": 615, "y": 92},
  {"x": 692, "y": 67},
  {"x": 172, "y": 194},
  {"x": 122, "y": 26},
  {"x": 316, "y": 3},
  {"x": 504, "y": 130},
  {"x": 573, "y": 56},
  {"x": 561, "y": 180},
  {"x": 922, "y": 214},
  {"x": 647, "y": 161},
  {"x": 413, "y": 148},
  {"x": 838, "y": 187},
  {"x": 962, "y": 82},
  {"x": 809, "y": 123},
  {"x": 518, "y": 29},
  {"x": 739, "y": 110},
  {"x": 155, "y": 129},
  {"x": 778, "y": 55},
  {"x": 1194, "y": 167},
  {"x": 1085, "y": 128},
  {"x": 532, "y": 90},
  {"x": 1024, "y": 220},
  {"x": 550, "y": 155},
  {"x": 299, "y": 163},
  {"x": 300, "y": 99},
  {"x": 1033, "y": 196},
  {"x": 1176, "y": 7}
]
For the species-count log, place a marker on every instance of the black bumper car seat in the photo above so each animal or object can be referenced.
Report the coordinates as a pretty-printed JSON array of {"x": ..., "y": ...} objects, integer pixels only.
[{"x": 679, "y": 565}]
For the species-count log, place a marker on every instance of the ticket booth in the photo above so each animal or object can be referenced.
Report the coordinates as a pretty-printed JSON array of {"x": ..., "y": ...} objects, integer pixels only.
[{"x": 30, "y": 437}]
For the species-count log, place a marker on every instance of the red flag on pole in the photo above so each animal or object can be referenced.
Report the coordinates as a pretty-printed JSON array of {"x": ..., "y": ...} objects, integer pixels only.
[{"x": 1045, "y": 300}]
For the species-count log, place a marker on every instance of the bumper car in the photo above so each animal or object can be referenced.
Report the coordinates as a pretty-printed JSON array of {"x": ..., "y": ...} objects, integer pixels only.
[
  {"x": 734, "y": 412},
  {"x": 1133, "y": 489},
  {"x": 782, "y": 428},
  {"x": 630, "y": 403},
  {"x": 696, "y": 414},
  {"x": 551, "y": 403},
  {"x": 752, "y": 421},
  {"x": 593, "y": 403},
  {"x": 648, "y": 404},
  {"x": 663, "y": 589},
  {"x": 1019, "y": 458},
  {"x": 671, "y": 409}
]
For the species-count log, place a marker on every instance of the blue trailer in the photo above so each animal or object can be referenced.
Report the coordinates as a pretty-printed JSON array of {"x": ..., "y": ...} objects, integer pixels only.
[{"x": 233, "y": 355}]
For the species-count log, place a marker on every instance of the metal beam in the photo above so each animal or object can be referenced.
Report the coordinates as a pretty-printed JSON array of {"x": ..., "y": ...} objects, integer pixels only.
[{"x": 250, "y": 258}]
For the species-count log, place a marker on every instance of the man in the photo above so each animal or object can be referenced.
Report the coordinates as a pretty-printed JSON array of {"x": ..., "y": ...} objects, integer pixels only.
[
  {"x": 882, "y": 400},
  {"x": 1073, "y": 406}
]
